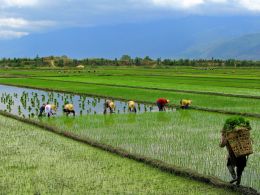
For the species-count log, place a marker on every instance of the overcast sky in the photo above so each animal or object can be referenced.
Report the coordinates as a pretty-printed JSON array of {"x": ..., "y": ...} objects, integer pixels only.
[{"x": 20, "y": 18}]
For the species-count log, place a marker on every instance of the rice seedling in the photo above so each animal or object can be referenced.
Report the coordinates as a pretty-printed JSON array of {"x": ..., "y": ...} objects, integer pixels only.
[{"x": 28, "y": 102}]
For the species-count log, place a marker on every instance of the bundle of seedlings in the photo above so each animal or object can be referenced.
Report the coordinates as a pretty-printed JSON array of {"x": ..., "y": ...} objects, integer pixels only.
[{"x": 237, "y": 132}]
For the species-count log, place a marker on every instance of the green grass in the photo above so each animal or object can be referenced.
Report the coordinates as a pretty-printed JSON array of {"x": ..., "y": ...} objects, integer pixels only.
[
  {"x": 37, "y": 162},
  {"x": 236, "y": 81},
  {"x": 219, "y": 72},
  {"x": 207, "y": 101},
  {"x": 189, "y": 139},
  {"x": 205, "y": 84}
]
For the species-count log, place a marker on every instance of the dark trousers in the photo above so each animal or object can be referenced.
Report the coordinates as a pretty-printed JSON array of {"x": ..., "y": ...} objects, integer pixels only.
[
  {"x": 106, "y": 106},
  {"x": 69, "y": 111},
  {"x": 132, "y": 110},
  {"x": 185, "y": 107},
  {"x": 160, "y": 106},
  {"x": 41, "y": 111},
  {"x": 239, "y": 163}
]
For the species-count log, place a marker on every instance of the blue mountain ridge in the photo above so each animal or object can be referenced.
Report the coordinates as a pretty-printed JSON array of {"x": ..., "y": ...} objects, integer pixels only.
[{"x": 187, "y": 37}]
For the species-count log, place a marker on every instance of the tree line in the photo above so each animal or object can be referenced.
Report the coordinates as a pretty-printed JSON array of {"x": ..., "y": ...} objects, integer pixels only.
[{"x": 125, "y": 60}]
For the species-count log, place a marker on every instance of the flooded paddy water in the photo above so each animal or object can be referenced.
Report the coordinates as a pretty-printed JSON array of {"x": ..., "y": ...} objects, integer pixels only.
[{"x": 26, "y": 102}]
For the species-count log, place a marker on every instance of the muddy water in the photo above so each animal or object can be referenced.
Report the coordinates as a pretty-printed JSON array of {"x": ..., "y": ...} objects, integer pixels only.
[{"x": 27, "y": 102}]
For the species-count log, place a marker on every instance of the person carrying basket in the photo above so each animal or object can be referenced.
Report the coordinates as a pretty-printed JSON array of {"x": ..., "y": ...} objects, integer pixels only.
[{"x": 236, "y": 138}]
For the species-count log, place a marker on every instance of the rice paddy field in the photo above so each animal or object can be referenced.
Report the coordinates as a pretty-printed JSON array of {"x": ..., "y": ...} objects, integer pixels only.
[
  {"x": 188, "y": 139},
  {"x": 37, "y": 162}
]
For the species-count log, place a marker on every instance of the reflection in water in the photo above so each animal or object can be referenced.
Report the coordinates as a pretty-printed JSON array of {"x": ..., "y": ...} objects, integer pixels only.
[{"x": 27, "y": 102}]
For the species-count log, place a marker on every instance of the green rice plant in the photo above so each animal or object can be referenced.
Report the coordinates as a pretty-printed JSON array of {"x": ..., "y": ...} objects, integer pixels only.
[
  {"x": 34, "y": 161},
  {"x": 236, "y": 122},
  {"x": 189, "y": 139}
]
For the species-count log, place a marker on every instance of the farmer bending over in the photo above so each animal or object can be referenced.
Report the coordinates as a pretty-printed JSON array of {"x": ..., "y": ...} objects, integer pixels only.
[
  {"x": 161, "y": 103},
  {"x": 109, "y": 104},
  {"x": 185, "y": 104},
  {"x": 131, "y": 106},
  {"x": 50, "y": 109},
  {"x": 42, "y": 108},
  {"x": 233, "y": 161},
  {"x": 69, "y": 108}
]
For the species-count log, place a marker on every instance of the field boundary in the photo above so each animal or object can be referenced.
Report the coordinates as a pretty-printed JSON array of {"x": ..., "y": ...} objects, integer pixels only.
[
  {"x": 245, "y": 114},
  {"x": 158, "y": 89},
  {"x": 165, "y": 167}
]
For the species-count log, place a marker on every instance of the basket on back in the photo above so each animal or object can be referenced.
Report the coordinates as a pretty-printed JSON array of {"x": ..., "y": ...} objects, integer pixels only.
[
  {"x": 237, "y": 132},
  {"x": 240, "y": 141}
]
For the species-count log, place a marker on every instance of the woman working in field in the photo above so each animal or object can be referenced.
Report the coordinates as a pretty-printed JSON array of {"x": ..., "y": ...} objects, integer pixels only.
[
  {"x": 49, "y": 109},
  {"x": 109, "y": 104},
  {"x": 185, "y": 104},
  {"x": 131, "y": 106},
  {"x": 69, "y": 108},
  {"x": 161, "y": 103}
]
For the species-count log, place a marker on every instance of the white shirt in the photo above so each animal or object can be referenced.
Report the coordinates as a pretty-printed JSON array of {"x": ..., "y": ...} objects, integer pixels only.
[{"x": 48, "y": 109}]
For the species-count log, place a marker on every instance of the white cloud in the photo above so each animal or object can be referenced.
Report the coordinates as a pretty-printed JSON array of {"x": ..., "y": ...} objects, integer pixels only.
[
  {"x": 9, "y": 34},
  {"x": 18, "y": 3},
  {"x": 13, "y": 22},
  {"x": 11, "y": 28},
  {"x": 177, "y": 3},
  {"x": 37, "y": 15},
  {"x": 253, "y": 5},
  {"x": 21, "y": 23}
]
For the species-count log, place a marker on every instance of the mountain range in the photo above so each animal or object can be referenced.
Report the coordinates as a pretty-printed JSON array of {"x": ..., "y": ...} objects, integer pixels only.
[{"x": 186, "y": 37}]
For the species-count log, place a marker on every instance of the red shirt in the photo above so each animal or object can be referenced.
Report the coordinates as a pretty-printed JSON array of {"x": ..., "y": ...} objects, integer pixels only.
[{"x": 162, "y": 101}]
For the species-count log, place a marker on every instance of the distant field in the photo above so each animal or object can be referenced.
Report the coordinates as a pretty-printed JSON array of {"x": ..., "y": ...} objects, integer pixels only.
[
  {"x": 239, "y": 81},
  {"x": 201, "y": 100},
  {"x": 204, "y": 84},
  {"x": 245, "y": 72}
]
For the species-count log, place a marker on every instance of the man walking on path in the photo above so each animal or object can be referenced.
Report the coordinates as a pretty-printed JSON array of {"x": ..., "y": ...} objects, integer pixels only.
[{"x": 233, "y": 161}]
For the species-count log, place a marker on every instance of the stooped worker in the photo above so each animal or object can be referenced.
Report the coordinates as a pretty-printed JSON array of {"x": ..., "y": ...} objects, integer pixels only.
[
  {"x": 69, "y": 108},
  {"x": 185, "y": 104},
  {"x": 42, "y": 108},
  {"x": 109, "y": 104},
  {"x": 233, "y": 161},
  {"x": 131, "y": 106},
  {"x": 50, "y": 109},
  {"x": 161, "y": 103}
]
